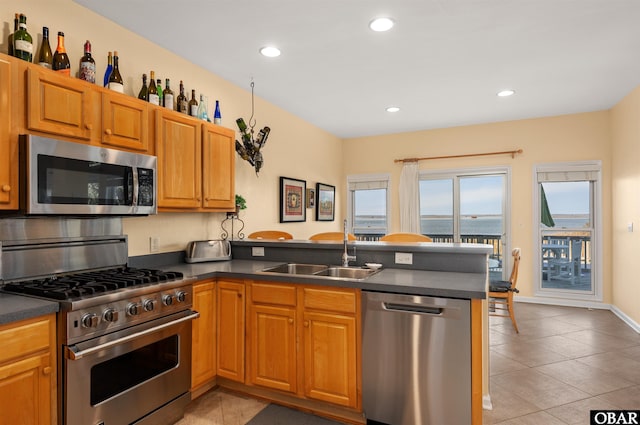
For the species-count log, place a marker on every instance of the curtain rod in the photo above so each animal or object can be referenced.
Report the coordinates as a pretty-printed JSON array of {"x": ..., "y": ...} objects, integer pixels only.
[{"x": 512, "y": 153}]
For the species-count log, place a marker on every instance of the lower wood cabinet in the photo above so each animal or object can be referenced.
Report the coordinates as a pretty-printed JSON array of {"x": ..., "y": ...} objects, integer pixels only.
[
  {"x": 27, "y": 372},
  {"x": 203, "y": 341},
  {"x": 231, "y": 327},
  {"x": 305, "y": 340}
]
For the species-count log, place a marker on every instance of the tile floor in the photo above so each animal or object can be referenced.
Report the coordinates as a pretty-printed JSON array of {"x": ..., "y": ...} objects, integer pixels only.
[{"x": 564, "y": 362}]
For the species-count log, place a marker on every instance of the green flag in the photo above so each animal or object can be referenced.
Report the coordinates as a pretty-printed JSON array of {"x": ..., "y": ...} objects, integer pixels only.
[{"x": 545, "y": 214}]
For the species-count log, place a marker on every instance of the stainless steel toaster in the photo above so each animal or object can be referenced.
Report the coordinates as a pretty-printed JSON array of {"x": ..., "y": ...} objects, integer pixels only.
[{"x": 212, "y": 250}]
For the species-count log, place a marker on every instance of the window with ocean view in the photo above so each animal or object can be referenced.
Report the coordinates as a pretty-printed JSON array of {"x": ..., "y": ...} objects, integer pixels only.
[{"x": 368, "y": 206}]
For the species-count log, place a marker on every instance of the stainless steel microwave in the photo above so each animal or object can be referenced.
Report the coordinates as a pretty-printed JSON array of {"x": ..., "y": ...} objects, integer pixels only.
[{"x": 64, "y": 178}]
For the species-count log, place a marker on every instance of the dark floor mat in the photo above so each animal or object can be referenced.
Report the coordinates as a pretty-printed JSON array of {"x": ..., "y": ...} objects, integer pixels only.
[{"x": 279, "y": 415}]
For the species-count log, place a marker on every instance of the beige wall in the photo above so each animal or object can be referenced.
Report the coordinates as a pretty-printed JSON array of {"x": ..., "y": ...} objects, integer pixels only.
[
  {"x": 556, "y": 139},
  {"x": 295, "y": 148},
  {"x": 625, "y": 182}
]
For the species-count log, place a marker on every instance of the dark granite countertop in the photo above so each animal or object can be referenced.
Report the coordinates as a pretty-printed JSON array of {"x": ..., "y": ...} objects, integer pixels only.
[
  {"x": 16, "y": 307},
  {"x": 414, "y": 282}
]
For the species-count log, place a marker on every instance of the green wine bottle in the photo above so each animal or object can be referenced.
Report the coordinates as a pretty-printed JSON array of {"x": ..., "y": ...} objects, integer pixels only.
[{"x": 22, "y": 41}]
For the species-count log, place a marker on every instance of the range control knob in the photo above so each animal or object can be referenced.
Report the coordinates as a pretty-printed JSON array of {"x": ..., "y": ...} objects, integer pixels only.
[
  {"x": 167, "y": 300},
  {"x": 133, "y": 309},
  {"x": 110, "y": 315},
  {"x": 90, "y": 320},
  {"x": 181, "y": 296},
  {"x": 148, "y": 305}
]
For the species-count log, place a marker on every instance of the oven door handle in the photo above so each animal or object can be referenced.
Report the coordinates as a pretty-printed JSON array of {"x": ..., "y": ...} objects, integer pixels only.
[{"x": 74, "y": 354}]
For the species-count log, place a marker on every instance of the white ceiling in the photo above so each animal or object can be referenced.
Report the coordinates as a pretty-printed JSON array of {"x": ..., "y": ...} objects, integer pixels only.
[{"x": 442, "y": 63}]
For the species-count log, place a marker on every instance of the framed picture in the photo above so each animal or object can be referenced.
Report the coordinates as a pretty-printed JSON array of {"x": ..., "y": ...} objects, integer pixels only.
[
  {"x": 325, "y": 202},
  {"x": 311, "y": 198},
  {"x": 292, "y": 204}
]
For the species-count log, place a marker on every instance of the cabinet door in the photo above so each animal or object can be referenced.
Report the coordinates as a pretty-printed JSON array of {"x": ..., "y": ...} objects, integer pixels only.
[
  {"x": 179, "y": 160},
  {"x": 218, "y": 159},
  {"x": 230, "y": 323},
  {"x": 60, "y": 105},
  {"x": 25, "y": 391},
  {"x": 203, "y": 354},
  {"x": 273, "y": 347},
  {"x": 329, "y": 342},
  {"x": 125, "y": 122},
  {"x": 8, "y": 144}
]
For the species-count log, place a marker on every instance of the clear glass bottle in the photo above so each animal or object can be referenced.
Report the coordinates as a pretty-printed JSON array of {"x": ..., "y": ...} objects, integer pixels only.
[
  {"x": 60, "y": 58},
  {"x": 217, "y": 116},
  {"x": 144, "y": 91},
  {"x": 115, "y": 79},
  {"x": 87, "y": 65},
  {"x": 202, "y": 109},
  {"x": 167, "y": 96},
  {"x": 45, "y": 57},
  {"x": 22, "y": 41}
]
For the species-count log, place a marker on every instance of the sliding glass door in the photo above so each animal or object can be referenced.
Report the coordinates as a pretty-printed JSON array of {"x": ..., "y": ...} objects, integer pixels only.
[{"x": 468, "y": 207}]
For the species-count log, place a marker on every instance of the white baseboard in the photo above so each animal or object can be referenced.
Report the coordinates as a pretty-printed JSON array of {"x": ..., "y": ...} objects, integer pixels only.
[
  {"x": 486, "y": 402},
  {"x": 583, "y": 304}
]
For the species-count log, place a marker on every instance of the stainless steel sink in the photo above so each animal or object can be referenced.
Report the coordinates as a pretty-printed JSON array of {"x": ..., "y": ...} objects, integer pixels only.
[
  {"x": 347, "y": 272},
  {"x": 295, "y": 268},
  {"x": 323, "y": 271}
]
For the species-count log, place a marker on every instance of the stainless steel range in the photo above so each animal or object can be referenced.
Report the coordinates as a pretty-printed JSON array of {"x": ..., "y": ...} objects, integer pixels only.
[{"x": 124, "y": 334}]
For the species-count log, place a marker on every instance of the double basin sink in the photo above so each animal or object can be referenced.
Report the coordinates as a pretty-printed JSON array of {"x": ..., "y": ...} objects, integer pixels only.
[{"x": 321, "y": 270}]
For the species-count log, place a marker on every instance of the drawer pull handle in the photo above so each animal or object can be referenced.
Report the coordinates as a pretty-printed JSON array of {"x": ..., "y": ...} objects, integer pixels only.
[
  {"x": 88, "y": 126},
  {"x": 46, "y": 370},
  {"x": 306, "y": 323},
  {"x": 6, "y": 188},
  {"x": 108, "y": 132},
  {"x": 291, "y": 320}
]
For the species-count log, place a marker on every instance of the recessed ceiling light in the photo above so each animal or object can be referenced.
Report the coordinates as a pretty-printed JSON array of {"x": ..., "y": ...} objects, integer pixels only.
[
  {"x": 392, "y": 109},
  {"x": 506, "y": 93},
  {"x": 381, "y": 24},
  {"x": 270, "y": 51}
]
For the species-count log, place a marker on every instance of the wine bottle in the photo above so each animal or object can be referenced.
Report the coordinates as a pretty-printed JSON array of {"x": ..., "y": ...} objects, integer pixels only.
[
  {"x": 87, "y": 65},
  {"x": 115, "y": 79},
  {"x": 15, "y": 29},
  {"x": 107, "y": 72},
  {"x": 22, "y": 41},
  {"x": 45, "y": 58},
  {"x": 217, "y": 117},
  {"x": 183, "y": 103},
  {"x": 193, "y": 104},
  {"x": 167, "y": 96},
  {"x": 144, "y": 91},
  {"x": 160, "y": 94},
  {"x": 60, "y": 58},
  {"x": 153, "y": 90},
  {"x": 246, "y": 137},
  {"x": 202, "y": 109}
]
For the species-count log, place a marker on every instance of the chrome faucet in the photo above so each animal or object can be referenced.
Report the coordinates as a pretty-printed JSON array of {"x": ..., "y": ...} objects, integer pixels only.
[{"x": 345, "y": 255}]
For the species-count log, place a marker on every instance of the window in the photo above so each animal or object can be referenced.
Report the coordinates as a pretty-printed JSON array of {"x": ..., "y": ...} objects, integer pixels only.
[{"x": 368, "y": 205}]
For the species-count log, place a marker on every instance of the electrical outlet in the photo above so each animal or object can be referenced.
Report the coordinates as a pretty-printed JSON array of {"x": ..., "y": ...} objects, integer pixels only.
[
  {"x": 257, "y": 251},
  {"x": 404, "y": 258},
  {"x": 154, "y": 244}
]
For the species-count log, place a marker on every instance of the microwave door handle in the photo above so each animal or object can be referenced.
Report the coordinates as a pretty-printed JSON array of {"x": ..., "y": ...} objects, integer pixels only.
[{"x": 133, "y": 176}]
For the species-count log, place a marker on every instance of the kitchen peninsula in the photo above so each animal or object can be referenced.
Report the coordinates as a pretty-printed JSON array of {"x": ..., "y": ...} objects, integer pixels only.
[{"x": 258, "y": 317}]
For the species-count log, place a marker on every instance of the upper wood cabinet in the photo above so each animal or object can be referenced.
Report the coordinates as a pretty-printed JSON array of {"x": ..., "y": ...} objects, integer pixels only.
[
  {"x": 218, "y": 167},
  {"x": 8, "y": 141},
  {"x": 61, "y": 105},
  {"x": 179, "y": 151},
  {"x": 125, "y": 122}
]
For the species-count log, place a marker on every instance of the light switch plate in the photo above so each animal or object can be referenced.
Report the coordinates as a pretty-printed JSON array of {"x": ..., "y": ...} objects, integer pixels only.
[
  {"x": 404, "y": 258},
  {"x": 154, "y": 244},
  {"x": 257, "y": 251}
]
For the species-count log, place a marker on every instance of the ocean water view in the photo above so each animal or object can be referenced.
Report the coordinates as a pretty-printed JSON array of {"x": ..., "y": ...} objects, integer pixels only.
[{"x": 469, "y": 225}]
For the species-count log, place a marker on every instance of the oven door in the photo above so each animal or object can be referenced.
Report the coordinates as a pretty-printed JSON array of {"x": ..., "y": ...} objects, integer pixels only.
[{"x": 142, "y": 373}]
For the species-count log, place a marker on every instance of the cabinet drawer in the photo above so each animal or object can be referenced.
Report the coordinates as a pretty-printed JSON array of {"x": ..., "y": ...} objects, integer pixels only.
[
  {"x": 337, "y": 300},
  {"x": 22, "y": 338},
  {"x": 273, "y": 294}
]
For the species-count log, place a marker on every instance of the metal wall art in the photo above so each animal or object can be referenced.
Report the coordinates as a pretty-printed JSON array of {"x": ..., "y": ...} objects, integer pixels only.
[{"x": 250, "y": 147}]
